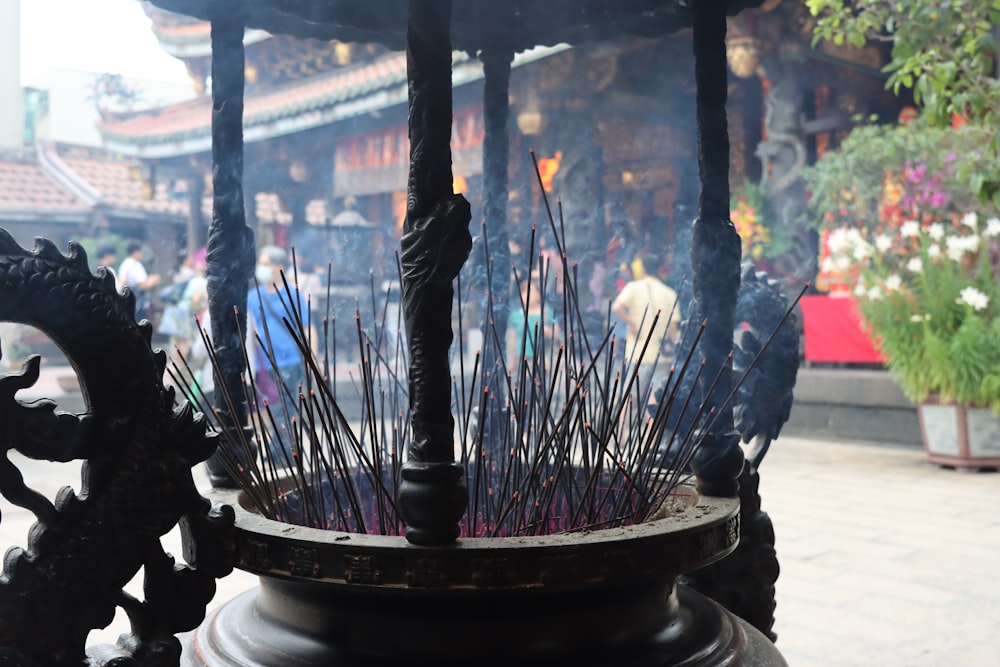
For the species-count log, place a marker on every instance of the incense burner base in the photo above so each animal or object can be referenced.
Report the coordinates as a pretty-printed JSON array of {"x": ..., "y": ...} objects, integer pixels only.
[
  {"x": 606, "y": 597},
  {"x": 285, "y": 624}
]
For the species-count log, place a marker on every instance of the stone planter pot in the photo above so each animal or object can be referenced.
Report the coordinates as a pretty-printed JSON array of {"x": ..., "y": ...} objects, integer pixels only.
[
  {"x": 605, "y": 597},
  {"x": 965, "y": 438}
]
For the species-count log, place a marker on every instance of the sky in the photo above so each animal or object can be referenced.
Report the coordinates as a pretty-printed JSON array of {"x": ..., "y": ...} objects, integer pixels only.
[{"x": 93, "y": 35}]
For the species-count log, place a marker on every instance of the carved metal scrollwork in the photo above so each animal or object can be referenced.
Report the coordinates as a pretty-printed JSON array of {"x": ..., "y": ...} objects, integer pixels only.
[{"x": 138, "y": 451}]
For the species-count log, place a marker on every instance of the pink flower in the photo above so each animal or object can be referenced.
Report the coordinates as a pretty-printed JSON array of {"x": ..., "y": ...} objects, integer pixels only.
[
  {"x": 917, "y": 174},
  {"x": 939, "y": 199}
]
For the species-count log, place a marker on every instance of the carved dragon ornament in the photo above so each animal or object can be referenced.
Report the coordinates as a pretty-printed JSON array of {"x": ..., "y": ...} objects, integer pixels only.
[{"x": 137, "y": 448}]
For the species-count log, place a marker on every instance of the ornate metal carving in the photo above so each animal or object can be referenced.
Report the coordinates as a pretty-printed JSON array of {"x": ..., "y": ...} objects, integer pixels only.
[
  {"x": 435, "y": 244},
  {"x": 230, "y": 257},
  {"x": 744, "y": 581},
  {"x": 585, "y": 598},
  {"x": 704, "y": 532},
  {"x": 764, "y": 398},
  {"x": 715, "y": 254},
  {"x": 136, "y": 482}
]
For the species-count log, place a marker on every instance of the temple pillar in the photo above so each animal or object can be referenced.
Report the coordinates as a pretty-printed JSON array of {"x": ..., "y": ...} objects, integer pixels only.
[{"x": 783, "y": 154}]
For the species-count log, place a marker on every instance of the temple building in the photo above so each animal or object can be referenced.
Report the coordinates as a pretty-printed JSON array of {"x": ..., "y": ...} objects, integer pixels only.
[
  {"x": 63, "y": 193},
  {"x": 611, "y": 124}
]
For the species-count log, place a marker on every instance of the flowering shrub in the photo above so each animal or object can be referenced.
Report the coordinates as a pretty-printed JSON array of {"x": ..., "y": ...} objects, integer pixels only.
[
  {"x": 928, "y": 293},
  {"x": 754, "y": 223},
  {"x": 906, "y": 235}
]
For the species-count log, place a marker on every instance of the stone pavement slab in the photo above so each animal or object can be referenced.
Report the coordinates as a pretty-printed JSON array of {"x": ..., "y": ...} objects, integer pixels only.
[{"x": 885, "y": 558}]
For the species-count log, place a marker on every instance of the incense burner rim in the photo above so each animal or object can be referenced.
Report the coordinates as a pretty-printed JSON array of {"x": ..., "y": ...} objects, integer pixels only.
[{"x": 656, "y": 550}]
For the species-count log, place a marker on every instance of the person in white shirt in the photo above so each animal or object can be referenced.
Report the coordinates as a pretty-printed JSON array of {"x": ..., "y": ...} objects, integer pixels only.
[
  {"x": 637, "y": 305},
  {"x": 132, "y": 274}
]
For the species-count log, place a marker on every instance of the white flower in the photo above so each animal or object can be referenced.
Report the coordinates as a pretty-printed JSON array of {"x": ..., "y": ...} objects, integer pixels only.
[
  {"x": 936, "y": 231},
  {"x": 843, "y": 262},
  {"x": 920, "y": 317},
  {"x": 883, "y": 242},
  {"x": 934, "y": 250},
  {"x": 973, "y": 297},
  {"x": 860, "y": 290},
  {"x": 957, "y": 246},
  {"x": 893, "y": 282},
  {"x": 837, "y": 241},
  {"x": 992, "y": 227},
  {"x": 915, "y": 265},
  {"x": 909, "y": 229},
  {"x": 828, "y": 265},
  {"x": 854, "y": 237},
  {"x": 861, "y": 251},
  {"x": 875, "y": 293},
  {"x": 970, "y": 220}
]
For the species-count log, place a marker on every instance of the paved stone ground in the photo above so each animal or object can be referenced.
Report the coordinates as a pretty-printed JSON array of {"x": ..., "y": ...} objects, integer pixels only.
[{"x": 886, "y": 560}]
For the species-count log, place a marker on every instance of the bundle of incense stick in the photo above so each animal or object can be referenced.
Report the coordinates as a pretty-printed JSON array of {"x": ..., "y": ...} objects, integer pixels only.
[{"x": 558, "y": 436}]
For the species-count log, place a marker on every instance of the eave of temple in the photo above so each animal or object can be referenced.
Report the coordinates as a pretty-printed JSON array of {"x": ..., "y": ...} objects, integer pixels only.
[
  {"x": 185, "y": 128},
  {"x": 185, "y": 37},
  {"x": 526, "y": 25}
]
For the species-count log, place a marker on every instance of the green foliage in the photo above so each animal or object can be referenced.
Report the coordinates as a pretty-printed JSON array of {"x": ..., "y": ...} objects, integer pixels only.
[
  {"x": 882, "y": 166},
  {"x": 929, "y": 296},
  {"x": 943, "y": 51},
  {"x": 910, "y": 211},
  {"x": 101, "y": 239}
]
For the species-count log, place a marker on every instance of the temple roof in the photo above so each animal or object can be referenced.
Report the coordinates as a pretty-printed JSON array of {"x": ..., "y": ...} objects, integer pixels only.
[
  {"x": 28, "y": 191},
  {"x": 71, "y": 182},
  {"x": 185, "y": 128},
  {"x": 515, "y": 24},
  {"x": 185, "y": 36}
]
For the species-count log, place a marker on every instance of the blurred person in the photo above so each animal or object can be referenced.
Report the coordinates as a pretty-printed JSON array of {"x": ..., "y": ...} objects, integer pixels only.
[
  {"x": 266, "y": 308},
  {"x": 637, "y": 304},
  {"x": 106, "y": 256},
  {"x": 198, "y": 357},
  {"x": 549, "y": 260},
  {"x": 277, "y": 362},
  {"x": 176, "y": 320},
  {"x": 528, "y": 322},
  {"x": 132, "y": 274},
  {"x": 312, "y": 287}
]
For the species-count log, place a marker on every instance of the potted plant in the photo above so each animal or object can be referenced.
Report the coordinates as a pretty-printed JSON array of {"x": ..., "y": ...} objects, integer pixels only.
[{"x": 904, "y": 232}]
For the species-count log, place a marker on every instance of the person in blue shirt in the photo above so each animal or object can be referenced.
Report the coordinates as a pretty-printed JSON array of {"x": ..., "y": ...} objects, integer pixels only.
[
  {"x": 267, "y": 305},
  {"x": 528, "y": 314}
]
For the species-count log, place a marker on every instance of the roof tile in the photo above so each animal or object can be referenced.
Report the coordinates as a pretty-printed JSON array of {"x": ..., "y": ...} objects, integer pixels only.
[
  {"x": 26, "y": 188},
  {"x": 116, "y": 181},
  {"x": 194, "y": 117}
]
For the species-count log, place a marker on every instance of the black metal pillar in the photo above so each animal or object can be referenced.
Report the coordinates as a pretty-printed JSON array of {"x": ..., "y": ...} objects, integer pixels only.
[
  {"x": 496, "y": 58},
  {"x": 715, "y": 254},
  {"x": 230, "y": 256},
  {"x": 436, "y": 242}
]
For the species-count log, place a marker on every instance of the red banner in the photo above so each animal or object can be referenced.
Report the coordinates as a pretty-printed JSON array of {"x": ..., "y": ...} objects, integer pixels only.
[{"x": 833, "y": 331}]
